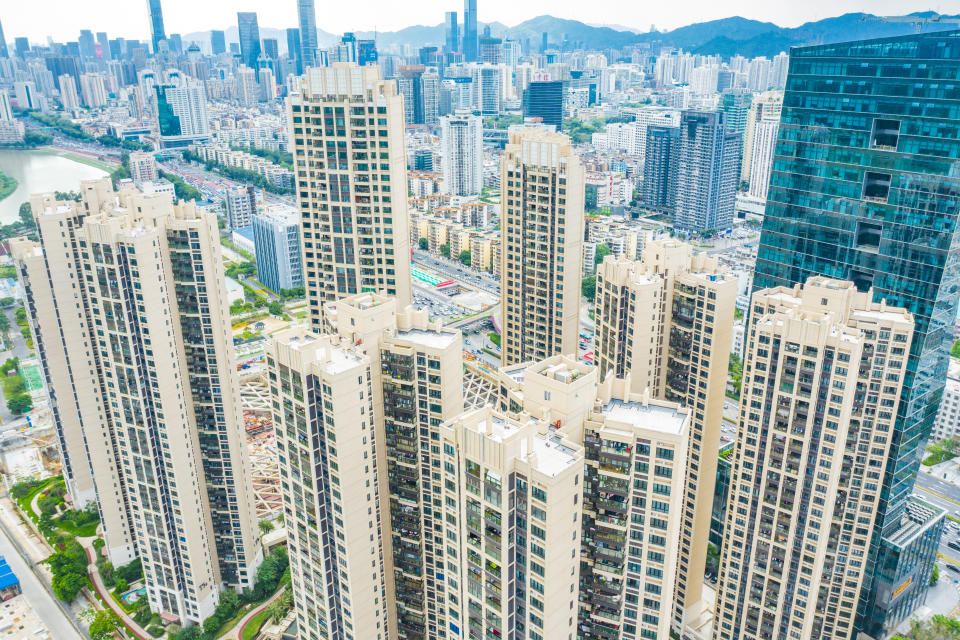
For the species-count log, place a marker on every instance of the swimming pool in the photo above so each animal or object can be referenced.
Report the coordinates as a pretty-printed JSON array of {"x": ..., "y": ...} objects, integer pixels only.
[{"x": 131, "y": 597}]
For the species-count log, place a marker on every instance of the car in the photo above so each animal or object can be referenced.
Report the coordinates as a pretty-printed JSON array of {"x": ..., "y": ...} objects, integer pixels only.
[{"x": 953, "y": 567}]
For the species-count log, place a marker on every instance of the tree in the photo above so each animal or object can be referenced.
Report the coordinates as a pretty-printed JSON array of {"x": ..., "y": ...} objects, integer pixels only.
[
  {"x": 464, "y": 257},
  {"x": 588, "y": 287},
  {"x": 279, "y": 607},
  {"x": 19, "y": 404},
  {"x": 424, "y": 244},
  {"x": 935, "y": 575},
  {"x": 105, "y": 623},
  {"x": 276, "y": 308},
  {"x": 602, "y": 252},
  {"x": 955, "y": 350},
  {"x": 445, "y": 250},
  {"x": 121, "y": 585},
  {"x": 67, "y": 587},
  {"x": 266, "y": 526}
]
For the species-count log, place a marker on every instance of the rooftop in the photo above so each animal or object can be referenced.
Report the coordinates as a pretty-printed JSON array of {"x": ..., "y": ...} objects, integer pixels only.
[
  {"x": 433, "y": 339},
  {"x": 646, "y": 416}
]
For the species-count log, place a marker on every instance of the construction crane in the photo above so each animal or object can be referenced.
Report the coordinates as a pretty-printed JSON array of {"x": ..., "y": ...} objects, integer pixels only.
[{"x": 919, "y": 22}]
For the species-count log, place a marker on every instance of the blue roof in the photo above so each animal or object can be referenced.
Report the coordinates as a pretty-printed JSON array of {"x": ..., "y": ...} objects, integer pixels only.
[
  {"x": 7, "y": 577},
  {"x": 246, "y": 232}
]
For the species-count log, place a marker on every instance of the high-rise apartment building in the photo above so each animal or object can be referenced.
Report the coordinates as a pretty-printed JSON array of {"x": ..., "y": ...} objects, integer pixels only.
[
  {"x": 182, "y": 114},
  {"x": 471, "y": 40},
  {"x": 332, "y": 493},
  {"x": 511, "y": 500},
  {"x": 636, "y": 452},
  {"x": 767, "y": 107},
  {"x": 26, "y": 94},
  {"x": 707, "y": 171},
  {"x": 487, "y": 89},
  {"x": 276, "y": 237},
  {"x": 660, "y": 165},
  {"x": 93, "y": 90},
  {"x": 666, "y": 321},
  {"x": 242, "y": 202},
  {"x": 249, "y": 34},
  {"x": 823, "y": 374},
  {"x": 762, "y": 132},
  {"x": 352, "y": 200},
  {"x": 544, "y": 100},
  {"x": 417, "y": 385},
  {"x": 419, "y": 88},
  {"x": 897, "y": 210},
  {"x": 142, "y": 166},
  {"x": 69, "y": 98},
  {"x": 6, "y": 111},
  {"x": 461, "y": 137},
  {"x": 157, "y": 32},
  {"x": 542, "y": 237},
  {"x": 308, "y": 34},
  {"x": 167, "y": 429}
]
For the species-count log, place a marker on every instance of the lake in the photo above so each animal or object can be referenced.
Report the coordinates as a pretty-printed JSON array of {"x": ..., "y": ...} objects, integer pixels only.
[{"x": 38, "y": 172}]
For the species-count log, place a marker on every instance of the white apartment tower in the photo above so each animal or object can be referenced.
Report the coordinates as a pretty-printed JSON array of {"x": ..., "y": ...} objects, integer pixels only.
[
  {"x": 765, "y": 126},
  {"x": 542, "y": 236},
  {"x": 511, "y": 502},
  {"x": 462, "y": 140},
  {"x": 69, "y": 96},
  {"x": 634, "y": 488},
  {"x": 152, "y": 290},
  {"x": 665, "y": 321},
  {"x": 347, "y": 141},
  {"x": 822, "y": 377},
  {"x": 143, "y": 167}
]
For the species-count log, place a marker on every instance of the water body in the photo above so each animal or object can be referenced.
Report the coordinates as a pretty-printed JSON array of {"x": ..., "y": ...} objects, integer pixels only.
[{"x": 38, "y": 172}]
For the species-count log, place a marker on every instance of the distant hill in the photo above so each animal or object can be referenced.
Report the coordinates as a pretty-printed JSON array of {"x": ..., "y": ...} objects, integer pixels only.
[{"x": 727, "y": 36}]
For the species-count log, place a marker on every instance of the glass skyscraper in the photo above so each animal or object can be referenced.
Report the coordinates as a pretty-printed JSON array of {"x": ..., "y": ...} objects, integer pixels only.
[
  {"x": 249, "y": 32},
  {"x": 471, "y": 43},
  {"x": 156, "y": 23},
  {"x": 308, "y": 34},
  {"x": 866, "y": 187}
]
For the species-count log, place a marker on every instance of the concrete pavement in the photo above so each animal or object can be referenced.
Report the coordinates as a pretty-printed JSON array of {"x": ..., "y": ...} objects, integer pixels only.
[{"x": 21, "y": 553}]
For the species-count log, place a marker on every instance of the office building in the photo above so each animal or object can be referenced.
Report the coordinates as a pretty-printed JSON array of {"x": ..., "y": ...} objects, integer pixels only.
[
  {"x": 461, "y": 138},
  {"x": 541, "y": 235},
  {"x": 947, "y": 424},
  {"x": 332, "y": 490},
  {"x": 308, "y": 33},
  {"x": 276, "y": 238},
  {"x": 899, "y": 210},
  {"x": 471, "y": 41},
  {"x": 157, "y": 33},
  {"x": 353, "y": 210},
  {"x": 69, "y": 98},
  {"x": 242, "y": 203},
  {"x": 420, "y": 89},
  {"x": 707, "y": 172},
  {"x": 665, "y": 321},
  {"x": 271, "y": 49},
  {"x": 543, "y": 100},
  {"x": 294, "y": 51},
  {"x": 249, "y": 34},
  {"x": 511, "y": 496},
  {"x": 636, "y": 452},
  {"x": 218, "y": 42},
  {"x": 21, "y": 46},
  {"x": 823, "y": 373},
  {"x": 488, "y": 88},
  {"x": 660, "y": 165},
  {"x": 418, "y": 383},
  {"x": 182, "y": 114},
  {"x": 4, "y": 53},
  {"x": 452, "y": 31},
  {"x": 189, "y": 502},
  {"x": 143, "y": 167},
  {"x": 491, "y": 51}
]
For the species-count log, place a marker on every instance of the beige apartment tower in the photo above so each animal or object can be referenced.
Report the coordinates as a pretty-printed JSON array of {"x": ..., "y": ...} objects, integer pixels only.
[
  {"x": 633, "y": 503},
  {"x": 322, "y": 392},
  {"x": 541, "y": 239},
  {"x": 822, "y": 377},
  {"x": 346, "y": 128},
  {"x": 418, "y": 384},
  {"x": 154, "y": 295},
  {"x": 511, "y": 500},
  {"x": 666, "y": 321}
]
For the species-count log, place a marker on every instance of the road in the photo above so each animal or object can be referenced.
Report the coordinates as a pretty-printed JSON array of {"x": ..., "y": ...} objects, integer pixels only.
[
  {"x": 483, "y": 281},
  {"x": 19, "y": 350},
  {"x": 42, "y": 601}
]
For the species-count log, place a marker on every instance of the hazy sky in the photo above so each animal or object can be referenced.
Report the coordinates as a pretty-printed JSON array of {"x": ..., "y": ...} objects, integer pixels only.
[{"x": 62, "y": 19}]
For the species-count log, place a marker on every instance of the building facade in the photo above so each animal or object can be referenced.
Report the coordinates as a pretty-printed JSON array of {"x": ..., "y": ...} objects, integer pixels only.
[
  {"x": 462, "y": 159},
  {"x": 276, "y": 238},
  {"x": 353, "y": 204},
  {"x": 889, "y": 226},
  {"x": 542, "y": 237},
  {"x": 707, "y": 171}
]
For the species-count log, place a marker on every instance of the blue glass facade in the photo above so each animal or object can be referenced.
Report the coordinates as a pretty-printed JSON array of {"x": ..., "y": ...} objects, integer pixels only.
[{"x": 866, "y": 187}]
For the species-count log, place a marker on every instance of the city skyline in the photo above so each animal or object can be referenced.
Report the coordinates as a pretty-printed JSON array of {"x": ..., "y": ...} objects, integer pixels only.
[{"x": 183, "y": 16}]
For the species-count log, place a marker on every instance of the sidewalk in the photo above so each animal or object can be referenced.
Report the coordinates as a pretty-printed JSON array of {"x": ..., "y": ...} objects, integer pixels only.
[
  {"x": 236, "y": 633},
  {"x": 87, "y": 544}
]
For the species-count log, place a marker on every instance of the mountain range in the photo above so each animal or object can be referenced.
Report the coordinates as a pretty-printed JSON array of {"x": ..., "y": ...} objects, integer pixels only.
[{"x": 727, "y": 36}]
